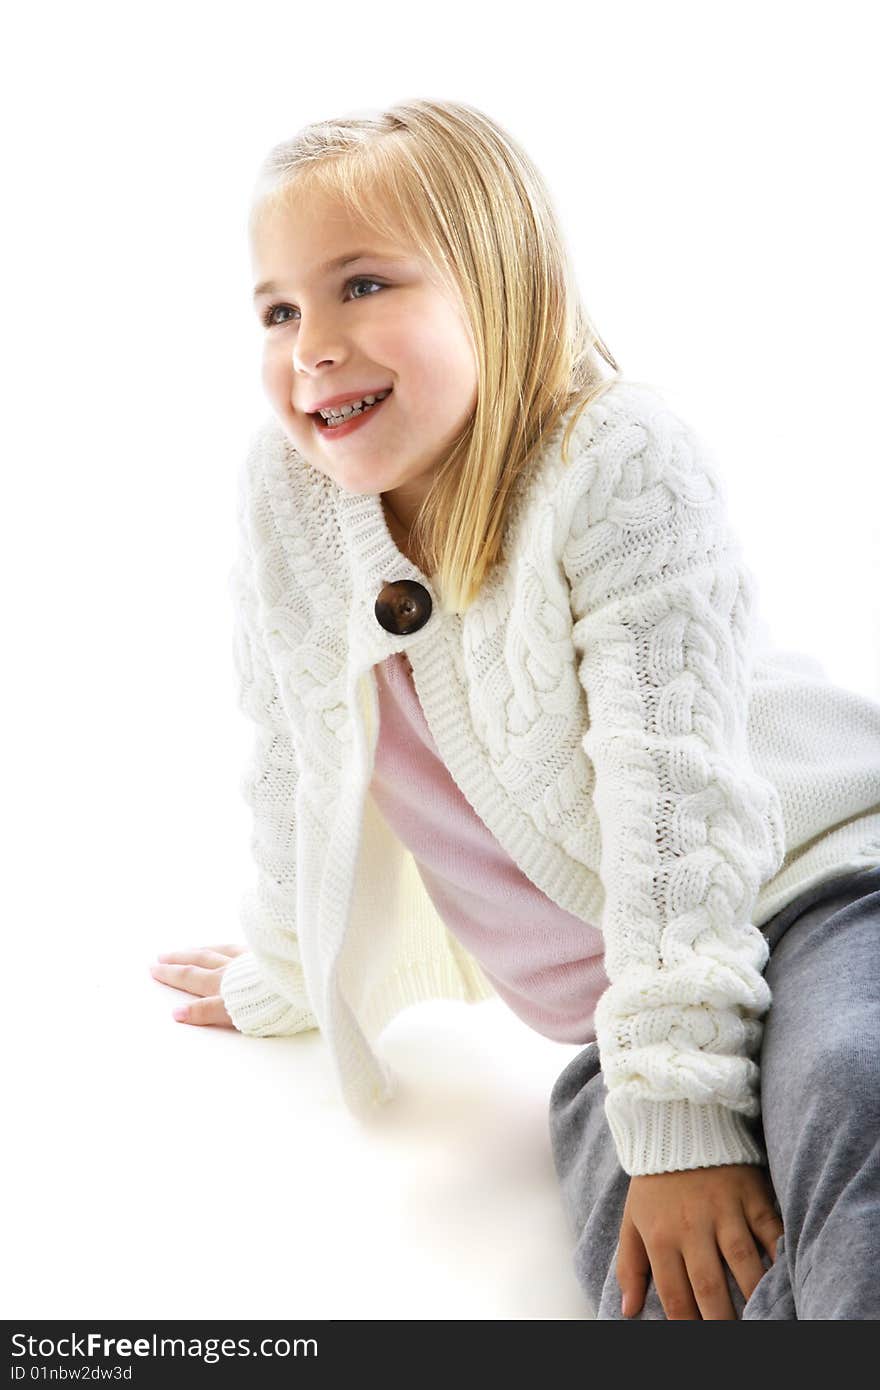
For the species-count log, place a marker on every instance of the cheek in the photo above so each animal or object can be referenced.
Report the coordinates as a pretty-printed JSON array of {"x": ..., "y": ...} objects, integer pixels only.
[
  {"x": 274, "y": 374},
  {"x": 441, "y": 349}
]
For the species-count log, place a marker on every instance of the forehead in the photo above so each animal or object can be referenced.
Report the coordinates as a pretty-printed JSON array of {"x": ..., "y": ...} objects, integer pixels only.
[
  {"x": 305, "y": 243},
  {"x": 312, "y": 233}
]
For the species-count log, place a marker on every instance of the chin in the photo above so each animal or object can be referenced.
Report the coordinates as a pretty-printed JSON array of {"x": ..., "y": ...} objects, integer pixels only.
[{"x": 369, "y": 487}]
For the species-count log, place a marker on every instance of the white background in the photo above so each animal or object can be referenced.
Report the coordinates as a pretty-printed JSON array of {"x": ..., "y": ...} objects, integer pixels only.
[{"x": 714, "y": 169}]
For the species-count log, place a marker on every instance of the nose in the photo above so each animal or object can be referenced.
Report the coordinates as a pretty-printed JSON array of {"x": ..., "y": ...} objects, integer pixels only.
[
  {"x": 307, "y": 370},
  {"x": 313, "y": 347},
  {"x": 306, "y": 362}
]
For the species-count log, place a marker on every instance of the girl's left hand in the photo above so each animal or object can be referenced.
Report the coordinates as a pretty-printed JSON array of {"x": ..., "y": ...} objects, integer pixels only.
[
  {"x": 679, "y": 1226},
  {"x": 198, "y": 970}
]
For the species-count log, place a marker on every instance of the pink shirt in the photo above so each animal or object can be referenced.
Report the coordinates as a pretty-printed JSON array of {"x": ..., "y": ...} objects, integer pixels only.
[{"x": 544, "y": 963}]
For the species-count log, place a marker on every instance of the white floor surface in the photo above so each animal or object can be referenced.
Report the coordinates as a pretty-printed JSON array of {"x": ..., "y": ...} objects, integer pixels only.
[{"x": 155, "y": 1169}]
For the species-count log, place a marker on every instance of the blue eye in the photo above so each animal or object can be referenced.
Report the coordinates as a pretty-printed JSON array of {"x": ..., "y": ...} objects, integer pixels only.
[{"x": 356, "y": 280}]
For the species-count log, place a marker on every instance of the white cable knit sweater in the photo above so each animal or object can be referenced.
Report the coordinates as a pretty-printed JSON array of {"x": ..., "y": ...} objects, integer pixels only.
[{"x": 612, "y": 712}]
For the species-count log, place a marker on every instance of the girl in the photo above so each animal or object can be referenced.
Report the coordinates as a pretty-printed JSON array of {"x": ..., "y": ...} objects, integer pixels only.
[{"x": 518, "y": 732}]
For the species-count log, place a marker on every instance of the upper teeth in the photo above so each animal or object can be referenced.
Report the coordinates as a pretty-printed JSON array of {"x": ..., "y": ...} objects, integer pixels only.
[{"x": 353, "y": 405}]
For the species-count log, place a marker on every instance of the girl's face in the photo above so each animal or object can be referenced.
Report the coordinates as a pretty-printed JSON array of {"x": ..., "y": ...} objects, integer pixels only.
[{"x": 376, "y": 323}]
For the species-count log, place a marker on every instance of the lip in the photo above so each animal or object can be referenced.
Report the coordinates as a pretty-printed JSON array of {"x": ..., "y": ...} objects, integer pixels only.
[
  {"x": 330, "y": 433},
  {"x": 332, "y": 401}
]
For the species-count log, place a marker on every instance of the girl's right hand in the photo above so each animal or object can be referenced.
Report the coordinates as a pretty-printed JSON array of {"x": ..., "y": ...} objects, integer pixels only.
[{"x": 198, "y": 970}]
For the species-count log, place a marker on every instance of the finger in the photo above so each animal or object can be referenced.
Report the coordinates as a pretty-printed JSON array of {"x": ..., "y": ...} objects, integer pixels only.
[
  {"x": 741, "y": 1253},
  {"x": 709, "y": 1282},
  {"x": 193, "y": 978},
  {"x": 205, "y": 1011},
  {"x": 194, "y": 955},
  {"x": 673, "y": 1285},
  {"x": 767, "y": 1226},
  {"x": 633, "y": 1268}
]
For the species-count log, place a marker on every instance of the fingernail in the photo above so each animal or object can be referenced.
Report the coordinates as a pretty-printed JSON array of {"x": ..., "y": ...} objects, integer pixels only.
[
  {"x": 624, "y": 1306},
  {"x": 181, "y": 1014}
]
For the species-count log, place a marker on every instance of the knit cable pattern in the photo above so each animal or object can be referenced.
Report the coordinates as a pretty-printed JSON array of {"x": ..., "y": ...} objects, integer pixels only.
[{"x": 664, "y": 611}]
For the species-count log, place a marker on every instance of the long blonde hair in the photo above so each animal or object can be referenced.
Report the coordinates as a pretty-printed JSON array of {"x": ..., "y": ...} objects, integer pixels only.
[{"x": 447, "y": 179}]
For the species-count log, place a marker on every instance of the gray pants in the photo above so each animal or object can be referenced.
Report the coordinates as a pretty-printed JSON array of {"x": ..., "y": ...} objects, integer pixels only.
[{"x": 819, "y": 1122}]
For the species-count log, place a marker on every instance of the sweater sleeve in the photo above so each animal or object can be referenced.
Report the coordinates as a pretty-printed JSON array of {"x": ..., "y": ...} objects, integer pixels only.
[
  {"x": 264, "y": 988},
  {"x": 665, "y": 614}
]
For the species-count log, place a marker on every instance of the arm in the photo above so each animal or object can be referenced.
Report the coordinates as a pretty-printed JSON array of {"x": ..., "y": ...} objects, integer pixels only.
[
  {"x": 664, "y": 608},
  {"x": 264, "y": 988}
]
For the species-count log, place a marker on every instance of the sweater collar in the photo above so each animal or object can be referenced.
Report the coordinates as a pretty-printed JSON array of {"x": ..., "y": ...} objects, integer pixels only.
[{"x": 372, "y": 552}]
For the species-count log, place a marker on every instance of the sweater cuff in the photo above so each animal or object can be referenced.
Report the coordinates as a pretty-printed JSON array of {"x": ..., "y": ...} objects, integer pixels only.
[
  {"x": 668, "y": 1136},
  {"x": 255, "y": 1007}
]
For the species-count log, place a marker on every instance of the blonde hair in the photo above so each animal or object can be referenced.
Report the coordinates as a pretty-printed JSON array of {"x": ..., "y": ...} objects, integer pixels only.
[{"x": 449, "y": 181}]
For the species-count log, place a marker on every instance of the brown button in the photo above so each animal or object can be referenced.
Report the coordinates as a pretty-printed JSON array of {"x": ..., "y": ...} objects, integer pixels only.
[{"x": 403, "y": 606}]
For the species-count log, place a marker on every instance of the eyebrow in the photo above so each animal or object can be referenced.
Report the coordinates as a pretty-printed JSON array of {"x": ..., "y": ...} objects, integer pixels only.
[{"x": 272, "y": 286}]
